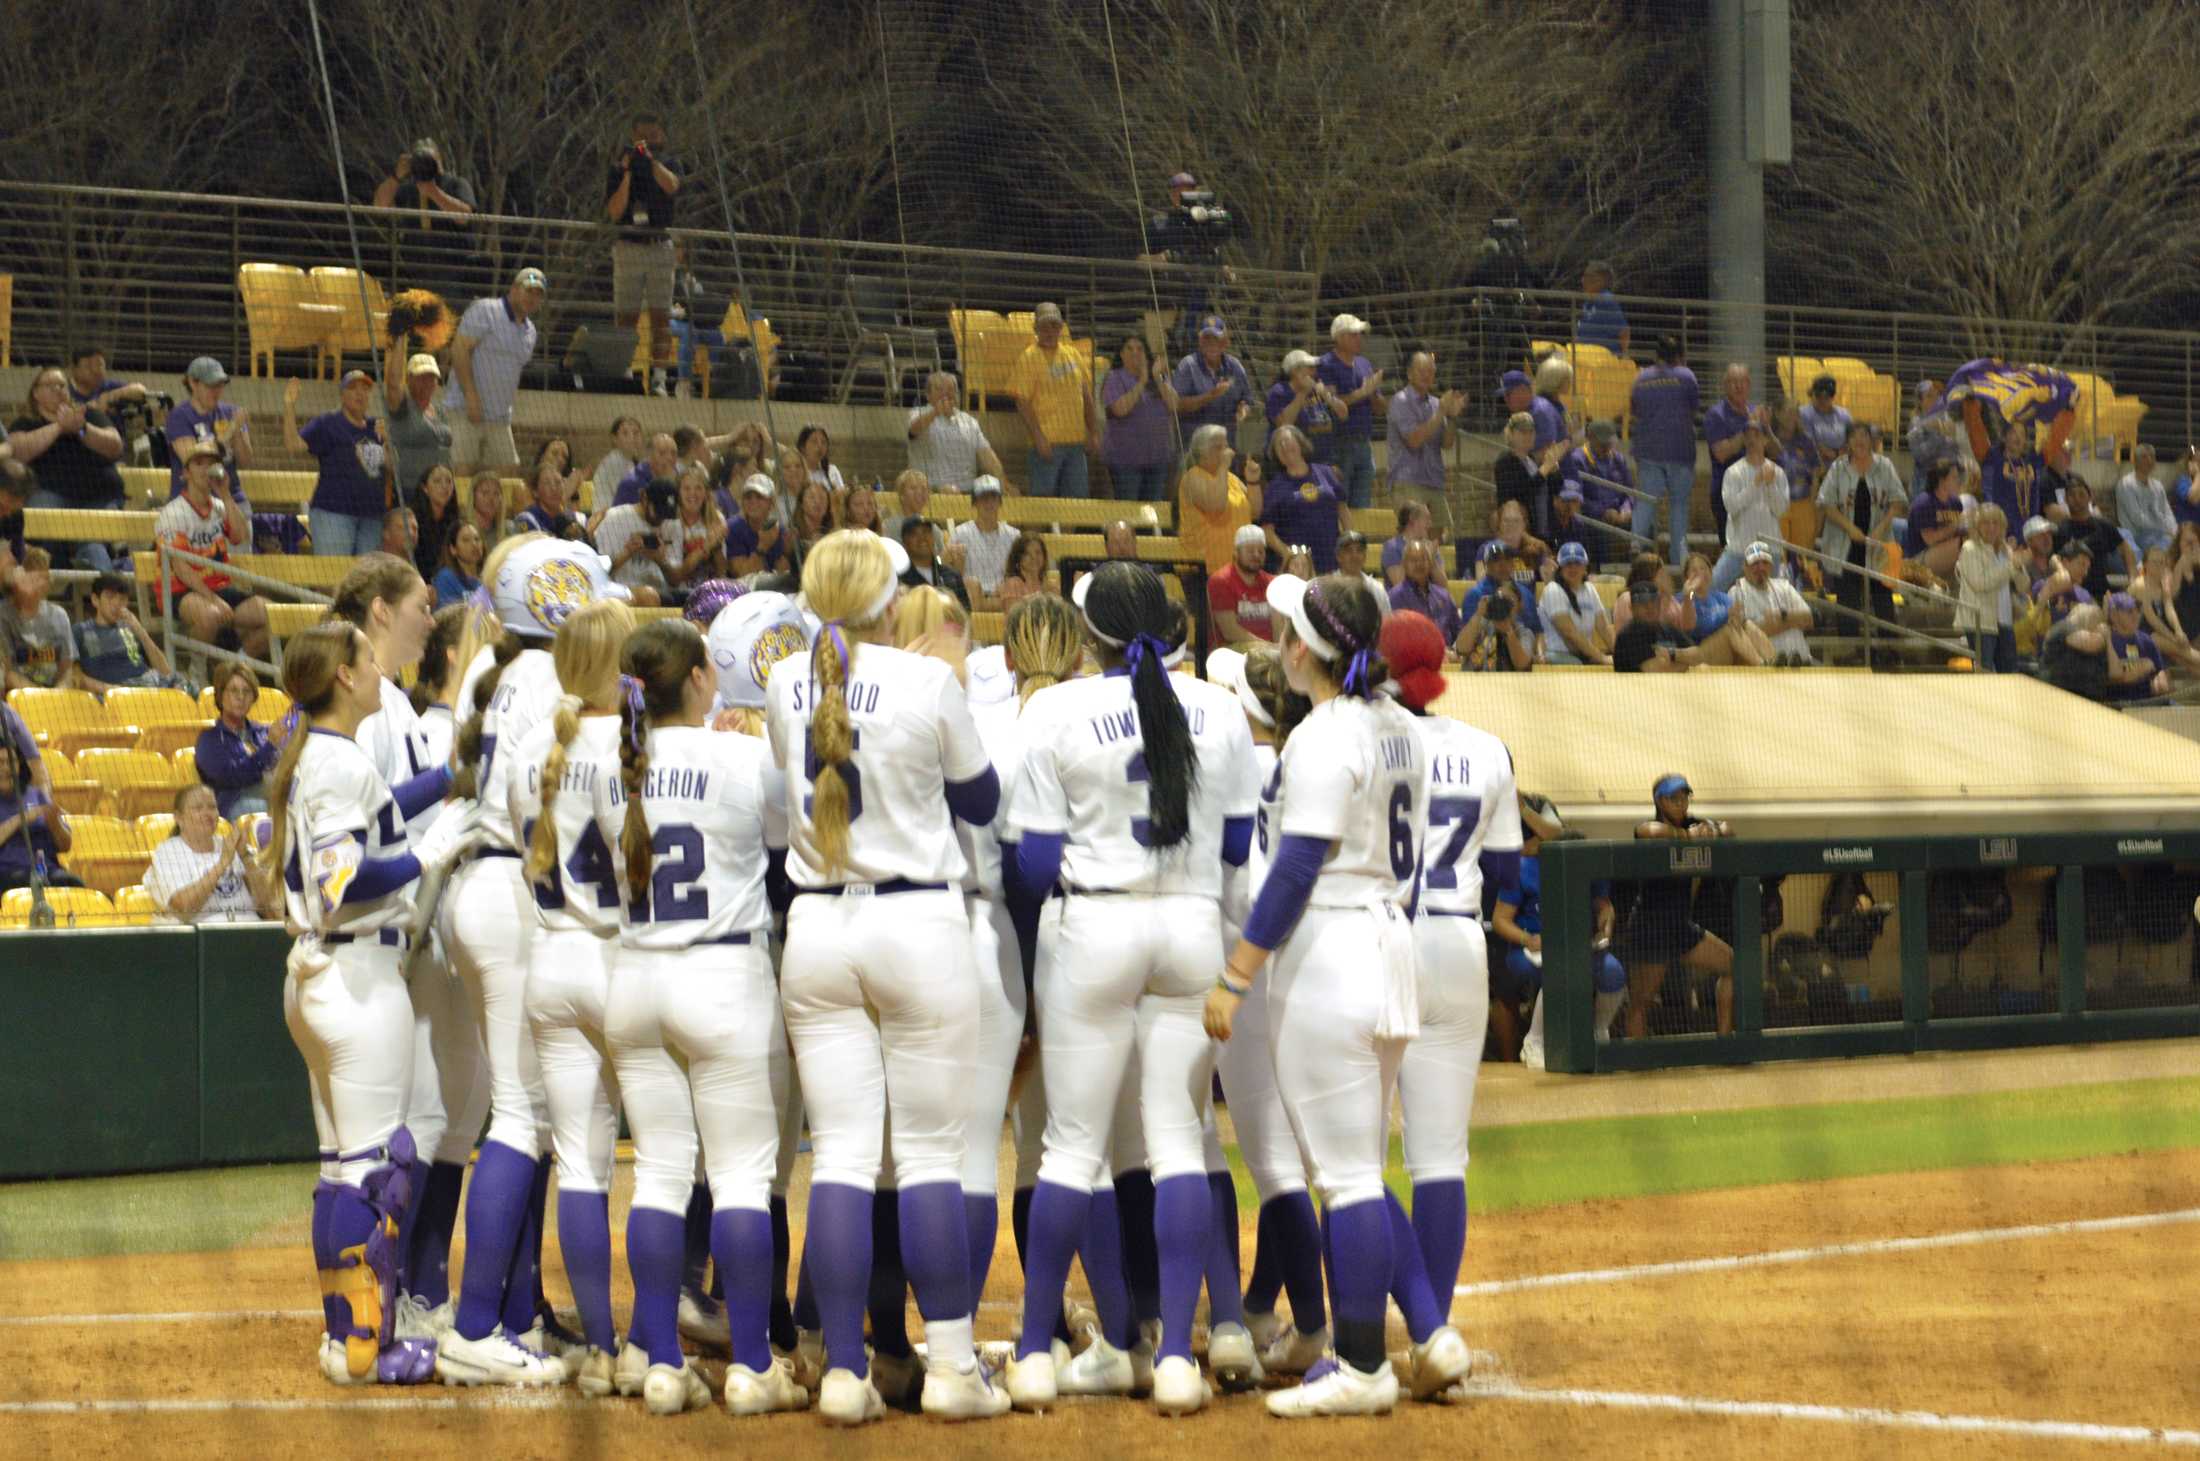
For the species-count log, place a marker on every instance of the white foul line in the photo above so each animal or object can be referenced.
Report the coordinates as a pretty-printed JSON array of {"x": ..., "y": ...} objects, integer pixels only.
[
  {"x": 512, "y": 1398},
  {"x": 1831, "y": 1250},
  {"x": 174, "y": 1316},
  {"x": 1915, "y": 1420}
]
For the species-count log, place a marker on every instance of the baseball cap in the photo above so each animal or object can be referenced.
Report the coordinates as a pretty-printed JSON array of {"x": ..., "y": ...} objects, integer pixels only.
[
  {"x": 989, "y": 681},
  {"x": 1569, "y": 493},
  {"x": 1602, "y": 430},
  {"x": 541, "y": 583},
  {"x": 203, "y": 447},
  {"x": 531, "y": 279},
  {"x": 1824, "y": 384},
  {"x": 1645, "y": 592},
  {"x": 1572, "y": 553},
  {"x": 750, "y": 636},
  {"x": 1757, "y": 553},
  {"x": 207, "y": 371},
  {"x": 1351, "y": 538},
  {"x": 1213, "y": 325},
  {"x": 2123, "y": 603},
  {"x": 352, "y": 375},
  {"x": 1226, "y": 667},
  {"x": 423, "y": 364},
  {"x": 2036, "y": 525},
  {"x": 1671, "y": 784},
  {"x": 1183, "y": 180},
  {"x": 1298, "y": 360},
  {"x": 1045, "y": 312},
  {"x": 757, "y": 485},
  {"x": 1248, "y": 533},
  {"x": 662, "y": 495},
  {"x": 1495, "y": 549},
  {"x": 2075, "y": 547},
  {"x": 1512, "y": 380},
  {"x": 986, "y": 486},
  {"x": 1347, "y": 325}
]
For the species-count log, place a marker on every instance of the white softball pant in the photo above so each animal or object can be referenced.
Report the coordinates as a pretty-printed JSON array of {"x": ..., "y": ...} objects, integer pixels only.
[
  {"x": 1000, "y": 983},
  {"x": 1436, "y": 1077},
  {"x": 701, "y": 1055},
  {"x": 353, "y": 1023},
  {"x": 1124, "y": 974},
  {"x": 1334, "y": 1072},
  {"x": 450, "y": 1086},
  {"x": 1248, "y": 1067},
  {"x": 881, "y": 998},
  {"x": 568, "y": 987},
  {"x": 489, "y": 928}
]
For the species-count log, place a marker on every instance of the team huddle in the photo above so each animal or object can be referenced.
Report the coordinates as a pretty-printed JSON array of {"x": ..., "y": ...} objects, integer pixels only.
[{"x": 812, "y": 863}]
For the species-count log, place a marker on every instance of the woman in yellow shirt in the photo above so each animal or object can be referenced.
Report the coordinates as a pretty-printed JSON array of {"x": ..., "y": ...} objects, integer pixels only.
[{"x": 1212, "y": 503}]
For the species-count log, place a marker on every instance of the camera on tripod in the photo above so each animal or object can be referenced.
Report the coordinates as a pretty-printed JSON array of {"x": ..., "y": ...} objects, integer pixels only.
[{"x": 1200, "y": 206}]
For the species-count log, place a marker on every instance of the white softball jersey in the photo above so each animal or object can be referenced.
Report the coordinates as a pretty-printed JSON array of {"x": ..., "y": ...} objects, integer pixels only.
[
  {"x": 438, "y": 729},
  {"x": 913, "y": 734},
  {"x": 1355, "y": 774},
  {"x": 394, "y": 742},
  {"x": 1084, "y": 778},
  {"x": 340, "y": 812},
  {"x": 715, "y": 806},
  {"x": 526, "y": 696},
  {"x": 1473, "y": 808},
  {"x": 582, "y": 892},
  {"x": 1000, "y": 728},
  {"x": 1241, "y": 885}
]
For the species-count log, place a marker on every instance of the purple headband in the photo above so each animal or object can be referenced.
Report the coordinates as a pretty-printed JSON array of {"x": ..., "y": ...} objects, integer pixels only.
[
  {"x": 637, "y": 712},
  {"x": 1142, "y": 646},
  {"x": 1356, "y": 676}
]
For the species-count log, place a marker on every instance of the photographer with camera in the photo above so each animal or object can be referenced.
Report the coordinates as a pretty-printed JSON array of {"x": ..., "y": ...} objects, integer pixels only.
[
  {"x": 136, "y": 411},
  {"x": 205, "y": 416},
  {"x": 1502, "y": 627},
  {"x": 645, "y": 555},
  {"x": 638, "y": 197},
  {"x": 1192, "y": 232},
  {"x": 418, "y": 181},
  {"x": 436, "y": 203}
]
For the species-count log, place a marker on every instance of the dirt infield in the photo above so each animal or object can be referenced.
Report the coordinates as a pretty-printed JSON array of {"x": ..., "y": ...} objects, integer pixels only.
[{"x": 2051, "y": 1326}]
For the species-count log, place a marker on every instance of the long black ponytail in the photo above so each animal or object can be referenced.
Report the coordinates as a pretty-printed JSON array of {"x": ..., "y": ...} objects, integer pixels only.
[{"x": 1127, "y": 613}]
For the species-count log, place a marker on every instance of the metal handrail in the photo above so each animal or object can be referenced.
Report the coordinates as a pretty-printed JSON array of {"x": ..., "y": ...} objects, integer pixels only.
[{"x": 172, "y": 636}]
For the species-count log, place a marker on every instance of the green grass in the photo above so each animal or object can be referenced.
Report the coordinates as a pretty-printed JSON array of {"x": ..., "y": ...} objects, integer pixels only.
[{"x": 1515, "y": 1167}]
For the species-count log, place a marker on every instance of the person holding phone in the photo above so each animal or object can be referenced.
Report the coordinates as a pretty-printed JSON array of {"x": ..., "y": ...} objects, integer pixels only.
[{"x": 634, "y": 539}]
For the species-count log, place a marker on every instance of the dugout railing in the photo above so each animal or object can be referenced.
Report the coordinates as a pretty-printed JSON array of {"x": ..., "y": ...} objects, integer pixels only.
[{"x": 1875, "y": 945}]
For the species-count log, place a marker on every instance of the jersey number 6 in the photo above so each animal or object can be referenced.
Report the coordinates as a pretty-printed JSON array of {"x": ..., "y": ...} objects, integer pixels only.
[{"x": 1401, "y": 831}]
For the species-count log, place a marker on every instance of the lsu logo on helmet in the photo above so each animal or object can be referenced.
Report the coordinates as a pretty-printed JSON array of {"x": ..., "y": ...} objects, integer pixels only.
[
  {"x": 780, "y": 641},
  {"x": 555, "y": 588}
]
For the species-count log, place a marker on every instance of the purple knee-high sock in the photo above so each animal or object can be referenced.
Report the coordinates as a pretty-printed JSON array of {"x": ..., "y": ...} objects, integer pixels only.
[
  {"x": 1359, "y": 1280},
  {"x": 805, "y": 1293},
  {"x": 1183, "y": 1211},
  {"x": 653, "y": 1251},
  {"x": 523, "y": 1277},
  {"x": 782, "y": 1315},
  {"x": 1440, "y": 1231},
  {"x": 324, "y": 1204},
  {"x": 408, "y": 1221},
  {"x": 1409, "y": 1283},
  {"x": 435, "y": 1216},
  {"x": 695, "y": 1236},
  {"x": 351, "y": 1221},
  {"x": 839, "y": 1234},
  {"x": 741, "y": 1243},
  {"x": 935, "y": 1249},
  {"x": 1061, "y": 1217},
  {"x": 1265, "y": 1282},
  {"x": 1019, "y": 1222},
  {"x": 1224, "y": 1303},
  {"x": 1300, "y": 1251},
  {"x": 584, "y": 1236},
  {"x": 981, "y": 1230},
  {"x": 496, "y": 1211},
  {"x": 886, "y": 1298},
  {"x": 1141, "y": 1259},
  {"x": 1102, "y": 1255}
]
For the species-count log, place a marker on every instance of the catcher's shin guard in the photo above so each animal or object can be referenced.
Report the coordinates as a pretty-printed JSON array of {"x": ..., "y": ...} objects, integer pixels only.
[{"x": 359, "y": 1280}]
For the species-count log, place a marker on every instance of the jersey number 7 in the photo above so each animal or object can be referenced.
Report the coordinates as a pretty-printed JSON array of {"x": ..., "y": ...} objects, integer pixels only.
[{"x": 1466, "y": 813}]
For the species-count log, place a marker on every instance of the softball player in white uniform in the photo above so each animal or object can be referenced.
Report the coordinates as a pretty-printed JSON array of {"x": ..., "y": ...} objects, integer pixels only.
[
  {"x": 488, "y": 925},
  {"x": 878, "y": 750},
  {"x": 556, "y": 772},
  {"x": 697, "y": 819},
  {"x": 1137, "y": 787},
  {"x": 1353, "y": 788},
  {"x": 340, "y": 843}
]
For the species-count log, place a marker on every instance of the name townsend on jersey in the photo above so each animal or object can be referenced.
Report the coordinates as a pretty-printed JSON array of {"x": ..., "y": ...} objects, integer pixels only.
[{"x": 1123, "y": 726}]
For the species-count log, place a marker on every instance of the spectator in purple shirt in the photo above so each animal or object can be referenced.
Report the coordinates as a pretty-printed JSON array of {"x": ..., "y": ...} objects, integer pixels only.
[
  {"x": 1303, "y": 504},
  {"x": 1663, "y": 406},
  {"x": 1722, "y": 433},
  {"x": 1420, "y": 423},
  {"x": 236, "y": 753},
  {"x": 1356, "y": 381},
  {"x": 1301, "y": 398},
  {"x": 1602, "y": 321},
  {"x": 1590, "y": 466},
  {"x": 2184, "y": 497},
  {"x": 1419, "y": 590},
  {"x": 1415, "y": 524},
  {"x": 2136, "y": 669},
  {"x": 662, "y": 460},
  {"x": 1934, "y": 534},
  {"x": 548, "y": 513},
  {"x": 1553, "y": 379},
  {"x": 1139, "y": 440},
  {"x": 1212, "y": 388},
  {"x": 353, "y": 489},
  {"x": 205, "y": 416},
  {"x": 1568, "y": 523}
]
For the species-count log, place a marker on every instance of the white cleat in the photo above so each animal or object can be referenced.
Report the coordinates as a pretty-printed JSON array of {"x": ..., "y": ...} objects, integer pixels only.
[
  {"x": 806, "y": 1361},
  {"x": 1099, "y": 1369},
  {"x": 1439, "y": 1362},
  {"x": 1335, "y": 1388},
  {"x": 972, "y": 1394},
  {"x": 548, "y": 1342},
  {"x": 1178, "y": 1388},
  {"x": 1082, "y": 1321},
  {"x": 631, "y": 1370},
  {"x": 1233, "y": 1358},
  {"x": 1295, "y": 1351},
  {"x": 415, "y": 1320},
  {"x": 596, "y": 1375},
  {"x": 674, "y": 1390},
  {"x": 898, "y": 1378},
  {"x": 1142, "y": 1353},
  {"x": 1031, "y": 1381},
  {"x": 703, "y": 1323},
  {"x": 750, "y": 1393},
  {"x": 846, "y": 1398},
  {"x": 1265, "y": 1328},
  {"x": 494, "y": 1359}
]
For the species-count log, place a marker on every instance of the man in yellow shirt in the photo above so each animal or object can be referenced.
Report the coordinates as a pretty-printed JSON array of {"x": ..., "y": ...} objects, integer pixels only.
[{"x": 1053, "y": 390}]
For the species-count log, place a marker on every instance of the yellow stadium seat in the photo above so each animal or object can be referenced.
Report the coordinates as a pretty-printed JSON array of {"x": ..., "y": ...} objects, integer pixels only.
[
  {"x": 305, "y": 570},
  {"x": 287, "y": 620},
  {"x": 987, "y": 628},
  {"x": 7, "y": 318},
  {"x": 146, "y": 486},
  {"x": 357, "y": 328},
  {"x": 105, "y": 852},
  {"x": 70, "y": 720},
  {"x": 1796, "y": 372},
  {"x": 136, "y": 782},
  {"x": 170, "y": 737},
  {"x": 135, "y": 907},
  {"x": 270, "y": 491},
  {"x": 74, "y": 793},
  {"x": 282, "y": 312},
  {"x": 72, "y": 908},
  {"x": 948, "y": 507},
  {"x": 1375, "y": 523},
  {"x": 1603, "y": 382},
  {"x": 967, "y": 327},
  {"x": 80, "y": 525},
  {"x": 1161, "y": 550},
  {"x": 154, "y": 828},
  {"x": 1079, "y": 514},
  {"x": 1074, "y": 545},
  {"x": 153, "y": 707},
  {"x": 1608, "y": 587},
  {"x": 186, "y": 762}
]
